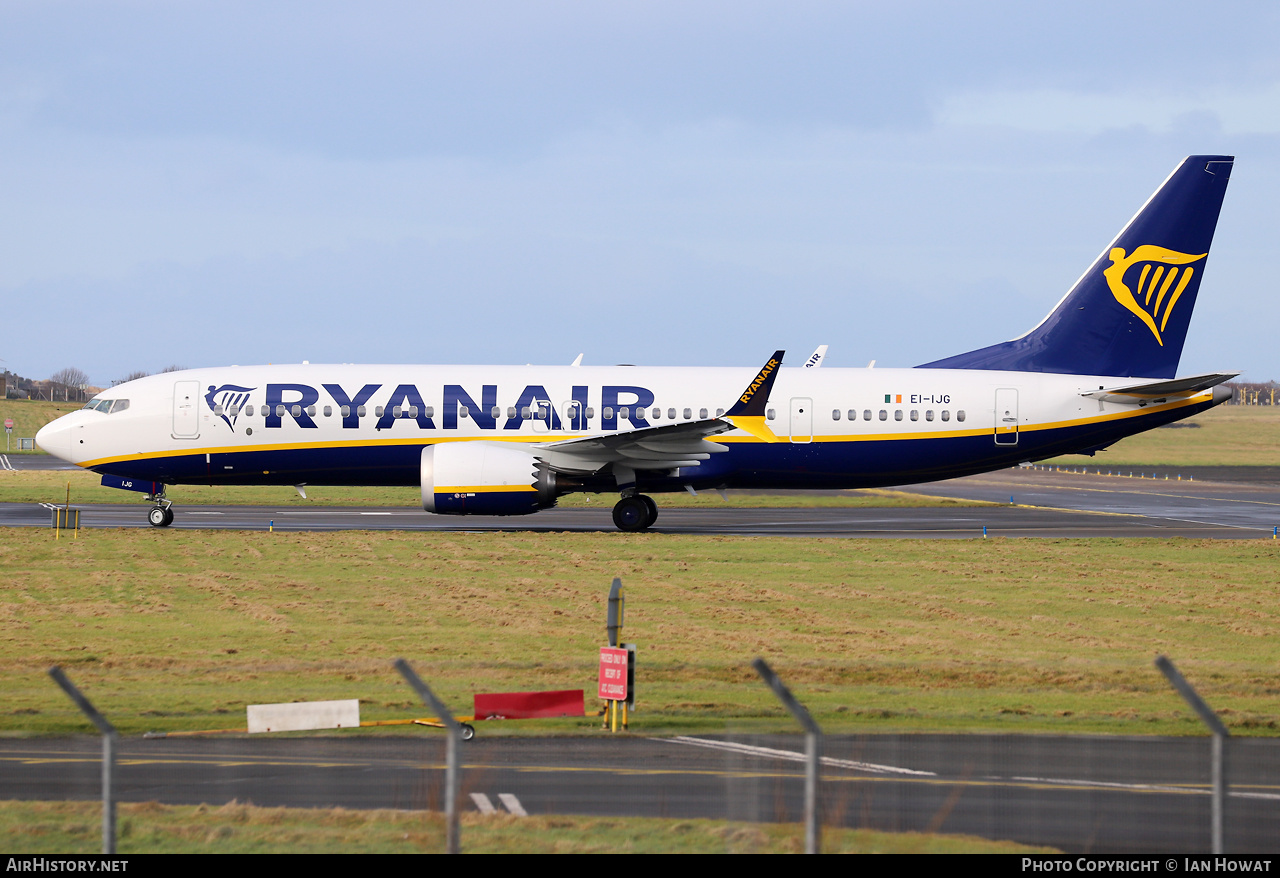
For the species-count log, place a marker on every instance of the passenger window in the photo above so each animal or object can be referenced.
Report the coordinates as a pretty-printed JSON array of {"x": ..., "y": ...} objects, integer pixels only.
[
  {"x": 884, "y": 416},
  {"x": 657, "y": 413},
  {"x": 511, "y": 412},
  {"x": 897, "y": 414},
  {"x": 217, "y": 409},
  {"x": 235, "y": 410},
  {"x": 395, "y": 411},
  {"x": 248, "y": 410},
  {"x": 280, "y": 410},
  {"x": 719, "y": 412},
  {"x": 866, "y": 414},
  {"x": 771, "y": 414},
  {"x": 946, "y": 415},
  {"x": 688, "y": 414},
  {"x": 960, "y": 415},
  {"x": 346, "y": 411},
  {"x": 360, "y": 410},
  {"x": 377, "y": 412},
  {"x": 430, "y": 412},
  {"x": 915, "y": 415},
  {"x": 624, "y": 413},
  {"x": 463, "y": 412},
  {"x": 495, "y": 413},
  {"x": 835, "y": 415},
  {"x": 591, "y": 413},
  {"x": 526, "y": 413},
  {"x": 296, "y": 411},
  {"x": 311, "y": 411},
  {"x": 328, "y": 411},
  {"x": 928, "y": 414},
  {"x": 413, "y": 411},
  {"x": 608, "y": 413}
]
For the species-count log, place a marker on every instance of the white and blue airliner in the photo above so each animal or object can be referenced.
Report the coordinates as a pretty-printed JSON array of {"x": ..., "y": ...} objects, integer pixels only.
[{"x": 509, "y": 440}]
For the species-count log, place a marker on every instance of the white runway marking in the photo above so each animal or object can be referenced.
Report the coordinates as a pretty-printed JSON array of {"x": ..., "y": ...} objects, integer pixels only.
[
  {"x": 792, "y": 756},
  {"x": 483, "y": 805},
  {"x": 512, "y": 804},
  {"x": 1142, "y": 787}
]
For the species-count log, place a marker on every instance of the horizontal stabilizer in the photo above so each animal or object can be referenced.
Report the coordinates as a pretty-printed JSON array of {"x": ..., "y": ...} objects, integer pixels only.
[{"x": 1162, "y": 390}]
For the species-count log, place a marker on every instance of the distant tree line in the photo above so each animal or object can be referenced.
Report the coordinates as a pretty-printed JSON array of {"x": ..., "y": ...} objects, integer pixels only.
[{"x": 70, "y": 384}]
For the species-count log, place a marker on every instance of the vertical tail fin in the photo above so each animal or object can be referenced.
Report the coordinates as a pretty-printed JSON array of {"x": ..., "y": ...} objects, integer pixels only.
[{"x": 1129, "y": 313}]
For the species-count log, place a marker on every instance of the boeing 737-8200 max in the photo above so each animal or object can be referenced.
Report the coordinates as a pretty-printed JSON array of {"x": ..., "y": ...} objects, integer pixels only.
[{"x": 507, "y": 440}]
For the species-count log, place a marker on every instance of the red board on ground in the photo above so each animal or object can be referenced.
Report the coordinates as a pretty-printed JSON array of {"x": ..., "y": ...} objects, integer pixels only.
[
  {"x": 528, "y": 705},
  {"x": 613, "y": 674}
]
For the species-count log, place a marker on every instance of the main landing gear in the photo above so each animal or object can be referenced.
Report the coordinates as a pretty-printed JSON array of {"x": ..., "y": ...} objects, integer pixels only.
[
  {"x": 161, "y": 515},
  {"x": 635, "y": 512}
]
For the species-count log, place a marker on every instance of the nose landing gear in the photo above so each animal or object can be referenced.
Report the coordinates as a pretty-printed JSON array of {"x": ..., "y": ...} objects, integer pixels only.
[{"x": 161, "y": 515}]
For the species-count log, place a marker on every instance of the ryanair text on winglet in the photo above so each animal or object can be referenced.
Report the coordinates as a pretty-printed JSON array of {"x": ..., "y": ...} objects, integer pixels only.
[{"x": 759, "y": 380}]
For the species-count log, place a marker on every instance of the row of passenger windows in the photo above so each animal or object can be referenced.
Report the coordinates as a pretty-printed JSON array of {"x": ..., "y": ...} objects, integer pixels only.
[
  {"x": 527, "y": 412},
  {"x": 897, "y": 414}
]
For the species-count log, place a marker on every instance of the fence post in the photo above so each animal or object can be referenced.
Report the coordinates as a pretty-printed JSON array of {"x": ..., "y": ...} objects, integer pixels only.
[
  {"x": 812, "y": 752},
  {"x": 1217, "y": 749},
  {"x": 109, "y": 736},
  {"x": 453, "y": 734}
]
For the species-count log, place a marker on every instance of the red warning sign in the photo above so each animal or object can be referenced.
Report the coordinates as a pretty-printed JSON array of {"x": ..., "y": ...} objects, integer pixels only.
[{"x": 613, "y": 674}]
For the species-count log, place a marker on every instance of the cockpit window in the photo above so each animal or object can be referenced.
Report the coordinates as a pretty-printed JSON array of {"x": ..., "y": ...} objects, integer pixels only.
[{"x": 107, "y": 406}]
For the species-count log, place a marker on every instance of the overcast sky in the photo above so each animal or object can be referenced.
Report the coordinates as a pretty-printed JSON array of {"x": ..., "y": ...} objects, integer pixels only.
[{"x": 660, "y": 183}]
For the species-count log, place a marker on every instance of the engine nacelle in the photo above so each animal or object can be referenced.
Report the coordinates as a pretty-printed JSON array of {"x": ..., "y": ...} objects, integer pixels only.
[{"x": 484, "y": 478}]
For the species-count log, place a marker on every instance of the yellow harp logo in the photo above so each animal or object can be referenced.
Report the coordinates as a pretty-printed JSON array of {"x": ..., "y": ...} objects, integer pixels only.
[{"x": 1160, "y": 282}]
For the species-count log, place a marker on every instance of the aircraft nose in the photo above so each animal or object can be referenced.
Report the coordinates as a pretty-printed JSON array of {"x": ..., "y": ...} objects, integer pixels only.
[{"x": 55, "y": 438}]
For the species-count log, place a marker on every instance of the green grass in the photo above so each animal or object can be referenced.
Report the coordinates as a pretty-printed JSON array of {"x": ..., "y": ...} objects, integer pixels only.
[
  {"x": 28, "y": 417},
  {"x": 181, "y": 630},
  {"x": 1229, "y": 435},
  {"x": 51, "y": 486},
  {"x": 151, "y": 828}
]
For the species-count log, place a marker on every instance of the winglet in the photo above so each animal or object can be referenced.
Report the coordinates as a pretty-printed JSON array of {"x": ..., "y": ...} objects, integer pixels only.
[{"x": 748, "y": 413}]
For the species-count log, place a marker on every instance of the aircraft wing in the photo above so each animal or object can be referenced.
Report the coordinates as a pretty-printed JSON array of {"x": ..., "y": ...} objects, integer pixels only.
[
  {"x": 1135, "y": 394},
  {"x": 668, "y": 446}
]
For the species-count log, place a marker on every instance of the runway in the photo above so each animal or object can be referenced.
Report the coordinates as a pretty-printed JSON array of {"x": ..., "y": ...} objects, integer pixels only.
[
  {"x": 1031, "y": 503},
  {"x": 1083, "y": 794}
]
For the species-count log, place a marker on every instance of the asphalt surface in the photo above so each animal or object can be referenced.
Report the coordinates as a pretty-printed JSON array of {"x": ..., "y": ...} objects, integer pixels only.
[
  {"x": 1032, "y": 503},
  {"x": 1082, "y": 794},
  {"x": 34, "y": 461}
]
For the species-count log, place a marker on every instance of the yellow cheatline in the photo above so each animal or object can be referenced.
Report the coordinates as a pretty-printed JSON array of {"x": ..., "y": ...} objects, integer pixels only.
[
  {"x": 756, "y": 426},
  {"x": 482, "y": 489}
]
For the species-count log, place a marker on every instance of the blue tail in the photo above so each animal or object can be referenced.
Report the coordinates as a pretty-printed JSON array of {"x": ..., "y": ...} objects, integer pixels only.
[{"x": 1129, "y": 313}]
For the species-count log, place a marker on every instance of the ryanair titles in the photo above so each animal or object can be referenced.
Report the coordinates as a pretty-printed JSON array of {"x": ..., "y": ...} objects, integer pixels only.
[{"x": 387, "y": 406}]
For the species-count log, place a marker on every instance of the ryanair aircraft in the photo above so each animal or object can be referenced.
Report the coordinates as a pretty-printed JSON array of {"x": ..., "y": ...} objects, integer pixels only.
[{"x": 507, "y": 440}]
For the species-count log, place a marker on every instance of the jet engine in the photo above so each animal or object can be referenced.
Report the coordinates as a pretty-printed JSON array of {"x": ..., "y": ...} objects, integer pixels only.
[{"x": 484, "y": 478}]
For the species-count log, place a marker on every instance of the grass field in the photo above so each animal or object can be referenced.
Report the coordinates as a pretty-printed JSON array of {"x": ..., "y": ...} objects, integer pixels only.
[
  {"x": 74, "y": 828},
  {"x": 180, "y": 630},
  {"x": 1229, "y": 435}
]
